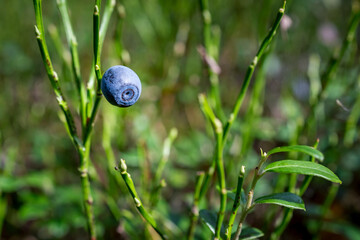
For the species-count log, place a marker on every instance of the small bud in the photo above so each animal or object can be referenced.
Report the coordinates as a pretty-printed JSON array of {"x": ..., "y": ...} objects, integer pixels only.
[
  {"x": 173, "y": 133},
  {"x": 201, "y": 97},
  {"x": 96, "y": 10},
  {"x": 122, "y": 166},
  {"x": 242, "y": 171},
  {"x": 137, "y": 202},
  {"x": 218, "y": 125},
  {"x": 162, "y": 183},
  {"x": 37, "y": 32}
]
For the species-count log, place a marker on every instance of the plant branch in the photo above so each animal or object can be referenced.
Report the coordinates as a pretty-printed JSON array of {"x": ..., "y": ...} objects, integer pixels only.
[
  {"x": 52, "y": 75},
  {"x": 195, "y": 209},
  {"x": 131, "y": 187},
  {"x": 236, "y": 204},
  {"x": 249, "y": 73},
  {"x": 249, "y": 203},
  {"x": 72, "y": 42}
]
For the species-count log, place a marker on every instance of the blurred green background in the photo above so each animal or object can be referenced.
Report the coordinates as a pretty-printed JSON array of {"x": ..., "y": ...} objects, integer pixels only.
[{"x": 39, "y": 182}]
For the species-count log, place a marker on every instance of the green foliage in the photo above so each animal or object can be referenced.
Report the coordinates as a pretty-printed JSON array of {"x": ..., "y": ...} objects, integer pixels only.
[
  {"x": 302, "y": 167},
  {"x": 286, "y": 199},
  {"x": 296, "y": 87}
]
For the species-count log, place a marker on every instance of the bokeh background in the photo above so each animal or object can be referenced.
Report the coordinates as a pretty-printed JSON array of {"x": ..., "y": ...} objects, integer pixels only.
[{"x": 39, "y": 181}]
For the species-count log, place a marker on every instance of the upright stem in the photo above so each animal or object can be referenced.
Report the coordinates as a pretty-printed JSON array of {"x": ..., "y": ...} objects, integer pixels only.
[
  {"x": 218, "y": 160},
  {"x": 249, "y": 203},
  {"x": 249, "y": 73},
  {"x": 195, "y": 209},
  {"x": 72, "y": 42},
  {"x": 52, "y": 75},
  {"x": 336, "y": 58},
  {"x": 221, "y": 176},
  {"x": 236, "y": 204},
  {"x": 82, "y": 146},
  {"x": 159, "y": 170},
  {"x": 131, "y": 187},
  {"x": 86, "y": 190},
  {"x": 211, "y": 51}
]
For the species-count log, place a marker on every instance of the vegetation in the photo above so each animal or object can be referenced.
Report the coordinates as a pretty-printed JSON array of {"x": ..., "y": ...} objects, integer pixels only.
[{"x": 248, "y": 115}]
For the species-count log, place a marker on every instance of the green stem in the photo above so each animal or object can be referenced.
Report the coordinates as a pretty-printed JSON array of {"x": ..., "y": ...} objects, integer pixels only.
[
  {"x": 351, "y": 122},
  {"x": 218, "y": 159},
  {"x": 284, "y": 223},
  {"x": 221, "y": 176},
  {"x": 131, "y": 187},
  {"x": 86, "y": 190},
  {"x": 212, "y": 51},
  {"x": 326, "y": 206},
  {"x": 249, "y": 73},
  {"x": 209, "y": 114},
  {"x": 334, "y": 62},
  {"x": 52, "y": 75},
  {"x": 249, "y": 203},
  {"x": 71, "y": 39},
  {"x": 164, "y": 159},
  {"x": 195, "y": 209},
  {"x": 99, "y": 37},
  {"x": 236, "y": 204}
]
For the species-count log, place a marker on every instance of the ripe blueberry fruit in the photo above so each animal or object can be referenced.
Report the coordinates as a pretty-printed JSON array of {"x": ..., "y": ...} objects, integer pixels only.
[{"x": 121, "y": 86}]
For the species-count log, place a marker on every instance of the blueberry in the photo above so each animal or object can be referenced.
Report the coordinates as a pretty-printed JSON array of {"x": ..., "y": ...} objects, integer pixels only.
[{"x": 121, "y": 86}]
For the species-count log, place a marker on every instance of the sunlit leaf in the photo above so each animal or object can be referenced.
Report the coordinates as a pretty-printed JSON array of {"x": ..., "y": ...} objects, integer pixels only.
[
  {"x": 299, "y": 148},
  {"x": 286, "y": 199},
  {"x": 302, "y": 167}
]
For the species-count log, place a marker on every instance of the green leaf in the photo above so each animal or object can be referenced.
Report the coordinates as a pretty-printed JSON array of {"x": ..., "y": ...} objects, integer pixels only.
[
  {"x": 302, "y": 167},
  {"x": 209, "y": 218},
  {"x": 286, "y": 199},
  {"x": 249, "y": 233},
  {"x": 299, "y": 148}
]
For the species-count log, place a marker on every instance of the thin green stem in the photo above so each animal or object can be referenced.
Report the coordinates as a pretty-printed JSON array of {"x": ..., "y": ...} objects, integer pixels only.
[
  {"x": 335, "y": 60},
  {"x": 221, "y": 175},
  {"x": 72, "y": 42},
  {"x": 351, "y": 122},
  {"x": 249, "y": 203},
  {"x": 52, "y": 75},
  {"x": 86, "y": 190},
  {"x": 218, "y": 159},
  {"x": 327, "y": 76},
  {"x": 208, "y": 176},
  {"x": 99, "y": 36},
  {"x": 326, "y": 206},
  {"x": 236, "y": 204},
  {"x": 60, "y": 48},
  {"x": 195, "y": 209},
  {"x": 209, "y": 114},
  {"x": 211, "y": 43},
  {"x": 249, "y": 73},
  {"x": 159, "y": 170},
  {"x": 131, "y": 187},
  {"x": 83, "y": 146}
]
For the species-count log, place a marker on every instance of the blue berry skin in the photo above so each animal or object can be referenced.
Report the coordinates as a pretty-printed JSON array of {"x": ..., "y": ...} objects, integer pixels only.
[{"x": 121, "y": 86}]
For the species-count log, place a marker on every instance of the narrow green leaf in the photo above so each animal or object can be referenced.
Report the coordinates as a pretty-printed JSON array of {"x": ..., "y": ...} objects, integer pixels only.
[
  {"x": 299, "y": 148},
  {"x": 209, "y": 218},
  {"x": 248, "y": 233},
  {"x": 286, "y": 199},
  {"x": 302, "y": 167}
]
